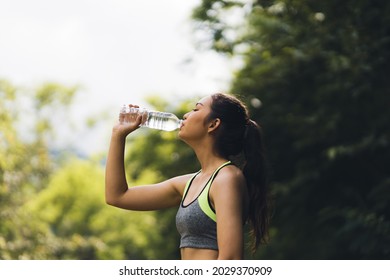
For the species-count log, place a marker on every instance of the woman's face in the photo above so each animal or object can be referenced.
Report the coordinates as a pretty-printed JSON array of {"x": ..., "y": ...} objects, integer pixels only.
[{"x": 194, "y": 125}]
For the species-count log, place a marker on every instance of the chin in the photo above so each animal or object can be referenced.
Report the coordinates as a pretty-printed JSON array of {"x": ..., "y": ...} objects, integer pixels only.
[{"x": 180, "y": 135}]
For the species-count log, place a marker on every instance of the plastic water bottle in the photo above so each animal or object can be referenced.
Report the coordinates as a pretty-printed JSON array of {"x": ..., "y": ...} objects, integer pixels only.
[{"x": 154, "y": 119}]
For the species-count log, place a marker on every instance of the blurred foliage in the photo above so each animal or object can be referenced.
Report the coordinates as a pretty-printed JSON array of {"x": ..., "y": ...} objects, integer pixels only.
[
  {"x": 25, "y": 162},
  {"x": 80, "y": 225},
  {"x": 316, "y": 74},
  {"x": 52, "y": 204}
]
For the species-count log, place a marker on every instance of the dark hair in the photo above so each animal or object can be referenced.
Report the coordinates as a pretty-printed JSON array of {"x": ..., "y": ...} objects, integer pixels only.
[{"x": 239, "y": 139}]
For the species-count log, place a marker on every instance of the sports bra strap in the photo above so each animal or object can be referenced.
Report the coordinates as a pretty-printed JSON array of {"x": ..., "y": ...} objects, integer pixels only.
[
  {"x": 189, "y": 182},
  {"x": 204, "y": 201}
]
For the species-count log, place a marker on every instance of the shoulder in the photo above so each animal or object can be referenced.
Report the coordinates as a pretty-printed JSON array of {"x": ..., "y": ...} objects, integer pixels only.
[
  {"x": 229, "y": 193},
  {"x": 230, "y": 175},
  {"x": 230, "y": 179},
  {"x": 180, "y": 182}
]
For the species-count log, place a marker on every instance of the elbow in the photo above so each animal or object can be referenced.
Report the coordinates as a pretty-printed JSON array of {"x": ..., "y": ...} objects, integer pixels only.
[
  {"x": 111, "y": 196},
  {"x": 111, "y": 200},
  {"x": 114, "y": 195}
]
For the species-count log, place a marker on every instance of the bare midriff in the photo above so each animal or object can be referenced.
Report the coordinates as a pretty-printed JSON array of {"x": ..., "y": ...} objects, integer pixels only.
[{"x": 198, "y": 254}]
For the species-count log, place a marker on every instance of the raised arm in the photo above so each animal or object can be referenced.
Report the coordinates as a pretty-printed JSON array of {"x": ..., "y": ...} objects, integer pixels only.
[{"x": 117, "y": 191}]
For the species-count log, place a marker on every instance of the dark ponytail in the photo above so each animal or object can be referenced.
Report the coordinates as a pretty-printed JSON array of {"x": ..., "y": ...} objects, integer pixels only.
[
  {"x": 240, "y": 139},
  {"x": 255, "y": 172}
]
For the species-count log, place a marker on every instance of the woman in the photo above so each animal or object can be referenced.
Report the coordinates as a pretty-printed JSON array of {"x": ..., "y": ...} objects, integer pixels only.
[{"x": 216, "y": 202}]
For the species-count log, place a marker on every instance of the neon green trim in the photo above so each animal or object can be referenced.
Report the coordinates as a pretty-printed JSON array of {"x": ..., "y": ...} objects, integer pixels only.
[
  {"x": 189, "y": 182},
  {"x": 204, "y": 196}
]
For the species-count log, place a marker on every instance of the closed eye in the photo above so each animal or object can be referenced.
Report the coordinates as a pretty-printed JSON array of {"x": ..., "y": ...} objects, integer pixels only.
[{"x": 196, "y": 106}]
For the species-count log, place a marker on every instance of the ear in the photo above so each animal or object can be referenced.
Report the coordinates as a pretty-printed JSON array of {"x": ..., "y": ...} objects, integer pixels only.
[{"x": 214, "y": 124}]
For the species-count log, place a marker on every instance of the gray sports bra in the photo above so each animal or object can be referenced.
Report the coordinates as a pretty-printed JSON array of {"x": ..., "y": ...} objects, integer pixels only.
[{"x": 196, "y": 222}]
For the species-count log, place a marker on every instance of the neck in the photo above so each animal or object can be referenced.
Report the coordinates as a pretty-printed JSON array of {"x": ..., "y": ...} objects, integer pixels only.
[{"x": 209, "y": 160}]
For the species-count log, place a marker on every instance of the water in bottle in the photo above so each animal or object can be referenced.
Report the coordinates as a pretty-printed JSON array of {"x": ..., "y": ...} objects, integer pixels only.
[{"x": 154, "y": 119}]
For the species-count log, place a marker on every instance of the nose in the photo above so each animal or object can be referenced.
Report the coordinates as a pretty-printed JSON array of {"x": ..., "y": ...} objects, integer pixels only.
[{"x": 185, "y": 116}]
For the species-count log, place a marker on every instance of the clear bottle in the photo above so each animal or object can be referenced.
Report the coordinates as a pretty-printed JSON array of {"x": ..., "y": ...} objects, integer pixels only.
[{"x": 154, "y": 119}]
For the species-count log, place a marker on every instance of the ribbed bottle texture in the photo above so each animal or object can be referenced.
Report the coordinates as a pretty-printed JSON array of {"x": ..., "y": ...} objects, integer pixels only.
[{"x": 154, "y": 119}]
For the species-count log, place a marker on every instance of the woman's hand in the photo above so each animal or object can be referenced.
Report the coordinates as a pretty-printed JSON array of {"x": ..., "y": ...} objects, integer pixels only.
[{"x": 129, "y": 120}]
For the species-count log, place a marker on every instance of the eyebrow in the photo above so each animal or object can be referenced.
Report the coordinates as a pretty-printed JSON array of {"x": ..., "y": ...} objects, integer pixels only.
[{"x": 199, "y": 104}]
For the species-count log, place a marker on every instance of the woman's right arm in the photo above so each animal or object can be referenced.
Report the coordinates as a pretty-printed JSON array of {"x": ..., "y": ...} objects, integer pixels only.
[{"x": 148, "y": 197}]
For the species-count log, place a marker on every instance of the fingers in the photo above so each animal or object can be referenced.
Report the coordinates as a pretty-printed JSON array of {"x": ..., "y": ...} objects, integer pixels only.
[
  {"x": 138, "y": 120},
  {"x": 130, "y": 119},
  {"x": 132, "y": 115},
  {"x": 122, "y": 117},
  {"x": 133, "y": 106}
]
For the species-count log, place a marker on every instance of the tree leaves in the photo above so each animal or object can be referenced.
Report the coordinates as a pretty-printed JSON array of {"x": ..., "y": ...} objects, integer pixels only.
[{"x": 319, "y": 71}]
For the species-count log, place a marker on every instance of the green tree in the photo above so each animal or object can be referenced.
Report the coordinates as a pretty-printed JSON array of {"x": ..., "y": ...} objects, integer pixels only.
[
  {"x": 52, "y": 205},
  {"x": 319, "y": 69},
  {"x": 76, "y": 223},
  {"x": 25, "y": 160}
]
